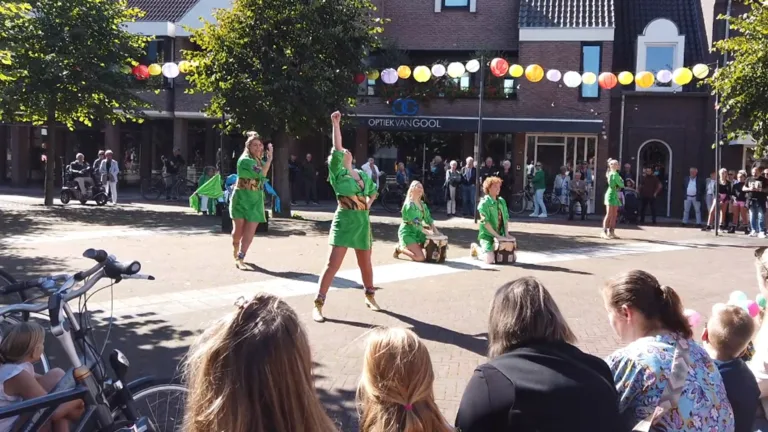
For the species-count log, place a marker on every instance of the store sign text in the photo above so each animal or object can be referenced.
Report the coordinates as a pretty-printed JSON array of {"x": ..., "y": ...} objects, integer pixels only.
[{"x": 404, "y": 123}]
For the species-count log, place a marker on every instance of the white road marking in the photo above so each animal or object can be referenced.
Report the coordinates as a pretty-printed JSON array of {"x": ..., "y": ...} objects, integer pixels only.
[
  {"x": 95, "y": 235},
  {"x": 211, "y": 298}
]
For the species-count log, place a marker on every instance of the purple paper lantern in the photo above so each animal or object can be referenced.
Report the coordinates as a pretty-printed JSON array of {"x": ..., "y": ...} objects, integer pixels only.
[{"x": 389, "y": 76}]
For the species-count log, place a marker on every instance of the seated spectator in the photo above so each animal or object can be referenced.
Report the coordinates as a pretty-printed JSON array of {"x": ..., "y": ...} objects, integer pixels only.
[
  {"x": 395, "y": 392},
  {"x": 536, "y": 380},
  {"x": 251, "y": 371},
  {"x": 650, "y": 317},
  {"x": 725, "y": 338}
]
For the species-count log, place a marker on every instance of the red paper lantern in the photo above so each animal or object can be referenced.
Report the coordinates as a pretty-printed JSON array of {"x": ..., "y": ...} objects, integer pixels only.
[
  {"x": 359, "y": 78},
  {"x": 607, "y": 80},
  {"x": 499, "y": 67},
  {"x": 141, "y": 72}
]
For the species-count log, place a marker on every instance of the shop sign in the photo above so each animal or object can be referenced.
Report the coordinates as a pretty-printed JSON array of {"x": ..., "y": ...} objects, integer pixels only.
[
  {"x": 405, "y": 107},
  {"x": 404, "y": 123}
]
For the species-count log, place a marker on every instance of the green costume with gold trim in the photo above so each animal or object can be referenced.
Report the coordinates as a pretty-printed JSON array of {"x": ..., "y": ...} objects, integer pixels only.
[
  {"x": 414, "y": 218},
  {"x": 494, "y": 212},
  {"x": 351, "y": 226},
  {"x": 615, "y": 183},
  {"x": 248, "y": 198}
]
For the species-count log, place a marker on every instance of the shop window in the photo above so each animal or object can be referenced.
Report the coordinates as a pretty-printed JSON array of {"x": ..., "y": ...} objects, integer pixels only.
[
  {"x": 661, "y": 46},
  {"x": 463, "y": 82},
  {"x": 591, "y": 54}
]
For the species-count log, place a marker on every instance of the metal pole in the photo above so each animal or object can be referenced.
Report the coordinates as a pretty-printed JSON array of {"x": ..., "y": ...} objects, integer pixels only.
[
  {"x": 719, "y": 119},
  {"x": 621, "y": 129},
  {"x": 221, "y": 146},
  {"x": 479, "y": 132}
]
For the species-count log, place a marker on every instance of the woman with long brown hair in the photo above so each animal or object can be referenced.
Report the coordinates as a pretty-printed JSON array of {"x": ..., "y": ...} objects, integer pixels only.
[
  {"x": 247, "y": 205},
  {"x": 251, "y": 371},
  {"x": 395, "y": 392}
]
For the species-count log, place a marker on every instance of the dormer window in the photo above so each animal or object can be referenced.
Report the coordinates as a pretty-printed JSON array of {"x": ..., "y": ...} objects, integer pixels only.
[
  {"x": 661, "y": 46},
  {"x": 441, "y": 5}
]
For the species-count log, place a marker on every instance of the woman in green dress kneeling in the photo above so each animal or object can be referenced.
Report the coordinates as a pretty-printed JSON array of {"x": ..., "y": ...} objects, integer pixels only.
[
  {"x": 351, "y": 226},
  {"x": 494, "y": 217},
  {"x": 247, "y": 205},
  {"x": 416, "y": 218}
]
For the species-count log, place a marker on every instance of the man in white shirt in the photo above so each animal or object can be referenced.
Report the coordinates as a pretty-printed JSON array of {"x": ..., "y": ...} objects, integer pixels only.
[
  {"x": 372, "y": 170},
  {"x": 695, "y": 190}
]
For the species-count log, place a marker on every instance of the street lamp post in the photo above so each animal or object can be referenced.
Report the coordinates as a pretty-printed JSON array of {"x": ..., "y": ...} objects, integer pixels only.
[{"x": 479, "y": 133}]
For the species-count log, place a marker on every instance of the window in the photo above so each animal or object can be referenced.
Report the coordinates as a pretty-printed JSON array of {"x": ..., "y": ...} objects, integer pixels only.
[
  {"x": 464, "y": 82},
  {"x": 590, "y": 62},
  {"x": 510, "y": 88},
  {"x": 154, "y": 52},
  {"x": 660, "y": 57},
  {"x": 660, "y": 47},
  {"x": 455, "y": 4}
]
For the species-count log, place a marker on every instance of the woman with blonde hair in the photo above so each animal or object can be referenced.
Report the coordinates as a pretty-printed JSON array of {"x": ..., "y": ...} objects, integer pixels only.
[
  {"x": 246, "y": 207},
  {"x": 395, "y": 393},
  {"x": 251, "y": 371},
  {"x": 612, "y": 202},
  {"x": 416, "y": 224},
  {"x": 724, "y": 190},
  {"x": 536, "y": 379},
  {"x": 494, "y": 217}
]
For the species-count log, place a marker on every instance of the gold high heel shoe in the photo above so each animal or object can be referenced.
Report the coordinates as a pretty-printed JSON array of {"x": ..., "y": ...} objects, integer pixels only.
[
  {"x": 612, "y": 235},
  {"x": 317, "y": 311},
  {"x": 604, "y": 235},
  {"x": 473, "y": 250},
  {"x": 370, "y": 302},
  {"x": 396, "y": 253}
]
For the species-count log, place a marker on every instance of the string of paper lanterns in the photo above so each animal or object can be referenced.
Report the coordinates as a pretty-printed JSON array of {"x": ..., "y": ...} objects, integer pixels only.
[
  {"x": 534, "y": 73},
  {"x": 169, "y": 70}
]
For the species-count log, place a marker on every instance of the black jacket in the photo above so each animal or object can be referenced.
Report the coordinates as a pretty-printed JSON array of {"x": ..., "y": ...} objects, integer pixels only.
[
  {"x": 472, "y": 176},
  {"x": 541, "y": 387}
]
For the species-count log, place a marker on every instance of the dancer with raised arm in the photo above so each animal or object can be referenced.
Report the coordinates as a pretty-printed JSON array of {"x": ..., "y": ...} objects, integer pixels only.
[
  {"x": 351, "y": 227},
  {"x": 247, "y": 205}
]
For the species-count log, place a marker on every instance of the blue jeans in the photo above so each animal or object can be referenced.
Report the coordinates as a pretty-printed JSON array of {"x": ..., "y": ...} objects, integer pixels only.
[
  {"x": 757, "y": 216},
  {"x": 468, "y": 199},
  {"x": 538, "y": 202}
]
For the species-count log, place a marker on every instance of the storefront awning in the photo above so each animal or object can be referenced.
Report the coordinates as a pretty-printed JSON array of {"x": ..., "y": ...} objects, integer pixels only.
[
  {"x": 469, "y": 124},
  {"x": 745, "y": 140}
]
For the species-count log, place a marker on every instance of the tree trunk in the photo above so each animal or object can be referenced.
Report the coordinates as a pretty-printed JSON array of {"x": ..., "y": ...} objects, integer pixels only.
[
  {"x": 283, "y": 143},
  {"x": 50, "y": 154}
]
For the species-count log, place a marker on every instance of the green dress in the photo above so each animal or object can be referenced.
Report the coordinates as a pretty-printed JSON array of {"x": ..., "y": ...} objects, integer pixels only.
[
  {"x": 351, "y": 226},
  {"x": 494, "y": 212},
  {"x": 410, "y": 231},
  {"x": 612, "y": 194},
  {"x": 248, "y": 198}
]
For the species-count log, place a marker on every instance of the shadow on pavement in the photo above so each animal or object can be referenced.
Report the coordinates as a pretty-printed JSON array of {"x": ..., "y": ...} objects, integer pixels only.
[
  {"x": 551, "y": 268},
  {"x": 339, "y": 404},
  {"x": 443, "y": 335}
]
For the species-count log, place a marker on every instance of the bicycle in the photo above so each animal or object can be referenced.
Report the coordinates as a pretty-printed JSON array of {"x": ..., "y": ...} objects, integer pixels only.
[
  {"x": 392, "y": 198},
  {"x": 154, "y": 187},
  {"x": 523, "y": 201},
  {"x": 110, "y": 405}
]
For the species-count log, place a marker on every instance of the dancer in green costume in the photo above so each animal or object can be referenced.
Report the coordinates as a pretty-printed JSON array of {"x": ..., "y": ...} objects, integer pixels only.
[
  {"x": 351, "y": 226},
  {"x": 246, "y": 207},
  {"x": 494, "y": 216},
  {"x": 416, "y": 218},
  {"x": 612, "y": 202}
]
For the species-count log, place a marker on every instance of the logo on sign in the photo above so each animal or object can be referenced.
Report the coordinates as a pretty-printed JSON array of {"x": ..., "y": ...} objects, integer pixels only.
[{"x": 405, "y": 107}]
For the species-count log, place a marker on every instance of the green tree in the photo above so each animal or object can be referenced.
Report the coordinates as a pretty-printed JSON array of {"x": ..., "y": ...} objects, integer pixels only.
[
  {"x": 742, "y": 83},
  {"x": 65, "y": 63},
  {"x": 282, "y": 67}
]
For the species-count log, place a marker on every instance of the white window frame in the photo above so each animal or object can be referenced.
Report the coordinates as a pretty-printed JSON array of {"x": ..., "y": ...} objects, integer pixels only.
[
  {"x": 660, "y": 32},
  {"x": 472, "y": 6}
]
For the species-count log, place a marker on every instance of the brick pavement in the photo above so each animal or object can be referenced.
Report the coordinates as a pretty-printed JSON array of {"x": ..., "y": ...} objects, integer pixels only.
[{"x": 449, "y": 311}]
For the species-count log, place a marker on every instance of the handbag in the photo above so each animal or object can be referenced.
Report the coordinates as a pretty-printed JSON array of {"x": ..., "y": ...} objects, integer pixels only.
[{"x": 681, "y": 364}]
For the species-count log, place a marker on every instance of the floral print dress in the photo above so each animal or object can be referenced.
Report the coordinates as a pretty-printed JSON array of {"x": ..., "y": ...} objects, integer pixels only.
[{"x": 641, "y": 372}]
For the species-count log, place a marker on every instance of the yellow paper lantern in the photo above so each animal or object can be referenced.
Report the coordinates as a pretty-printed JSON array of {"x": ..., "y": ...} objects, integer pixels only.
[
  {"x": 373, "y": 75},
  {"x": 588, "y": 78},
  {"x": 644, "y": 79},
  {"x": 404, "y": 72},
  {"x": 155, "y": 69},
  {"x": 534, "y": 73},
  {"x": 682, "y": 76},
  {"x": 516, "y": 71},
  {"x": 185, "y": 66},
  {"x": 421, "y": 74},
  {"x": 700, "y": 71},
  {"x": 626, "y": 78}
]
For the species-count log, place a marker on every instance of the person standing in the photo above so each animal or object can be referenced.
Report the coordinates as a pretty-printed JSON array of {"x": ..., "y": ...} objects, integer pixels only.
[
  {"x": 97, "y": 163},
  {"x": 507, "y": 175},
  {"x": 351, "y": 226},
  {"x": 109, "y": 171},
  {"x": 578, "y": 194},
  {"x": 612, "y": 202},
  {"x": 756, "y": 187},
  {"x": 650, "y": 186},
  {"x": 309, "y": 178},
  {"x": 694, "y": 189},
  {"x": 488, "y": 170},
  {"x": 539, "y": 183},
  {"x": 453, "y": 180},
  {"x": 293, "y": 176},
  {"x": 246, "y": 208},
  {"x": 373, "y": 171},
  {"x": 468, "y": 192},
  {"x": 172, "y": 168}
]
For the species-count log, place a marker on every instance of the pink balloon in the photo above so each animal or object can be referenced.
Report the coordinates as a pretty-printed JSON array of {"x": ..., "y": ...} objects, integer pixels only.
[
  {"x": 753, "y": 308},
  {"x": 694, "y": 318}
]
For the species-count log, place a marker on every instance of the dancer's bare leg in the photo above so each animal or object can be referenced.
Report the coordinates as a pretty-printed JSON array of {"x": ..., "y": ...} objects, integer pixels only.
[
  {"x": 237, "y": 235},
  {"x": 413, "y": 251},
  {"x": 335, "y": 258},
  {"x": 366, "y": 271},
  {"x": 248, "y": 232}
]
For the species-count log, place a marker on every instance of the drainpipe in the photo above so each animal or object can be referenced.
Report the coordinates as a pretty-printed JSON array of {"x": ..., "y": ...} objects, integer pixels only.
[{"x": 621, "y": 128}]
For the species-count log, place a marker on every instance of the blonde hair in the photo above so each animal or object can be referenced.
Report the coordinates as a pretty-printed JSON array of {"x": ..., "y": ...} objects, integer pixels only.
[
  {"x": 396, "y": 393},
  {"x": 250, "y": 137},
  {"x": 409, "y": 193},
  {"x": 20, "y": 342},
  {"x": 608, "y": 170},
  {"x": 251, "y": 371},
  {"x": 489, "y": 182},
  {"x": 523, "y": 310},
  {"x": 729, "y": 330}
]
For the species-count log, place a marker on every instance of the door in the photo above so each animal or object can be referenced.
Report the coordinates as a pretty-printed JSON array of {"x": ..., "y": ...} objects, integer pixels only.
[{"x": 551, "y": 158}]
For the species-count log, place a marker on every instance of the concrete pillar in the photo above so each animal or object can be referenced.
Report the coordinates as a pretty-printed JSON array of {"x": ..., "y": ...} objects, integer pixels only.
[
  {"x": 19, "y": 155},
  {"x": 361, "y": 145},
  {"x": 3, "y": 153},
  {"x": 181, "y": 137},
  {"x": 112, "y": 140}
]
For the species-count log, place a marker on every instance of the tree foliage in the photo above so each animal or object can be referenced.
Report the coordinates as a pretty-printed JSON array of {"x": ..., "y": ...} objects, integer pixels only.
[{"x": 742, "y": 83}]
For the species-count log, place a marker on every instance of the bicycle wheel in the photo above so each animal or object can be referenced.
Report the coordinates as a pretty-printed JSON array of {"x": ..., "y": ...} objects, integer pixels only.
[
  {"x": 392, "y": 201},
  {"x": 13, "y": 298},
  {"x": 152, "y": 189},
  {"x": 184, "y": 189},
  {"x": 163, "y": 404},
  {"x": 552, "y": 204},
  {"x": 518, "y": 203}
]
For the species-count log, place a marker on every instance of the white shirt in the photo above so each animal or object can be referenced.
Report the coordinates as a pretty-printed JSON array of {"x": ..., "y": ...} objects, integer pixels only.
[
  {"x": 691, "y": 187},
  {"x": 372, "y": 173},
  {"x": 711, "y": 186},
  {"x": 8, "y": 371}
]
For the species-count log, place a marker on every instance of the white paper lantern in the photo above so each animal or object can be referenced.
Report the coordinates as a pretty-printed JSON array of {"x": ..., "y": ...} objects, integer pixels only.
[
  {"x": 554, "y": 75},
  {"x": 456, "y": 70},
  {"x": 170, "y": 70},
  {"x": 664, "y": 76},
  {"x": 389, "y": 76},
  {"x": 438, "y": 70},
  {"x": 473, "y": 66},
  {"x": 572, "y": 79}
]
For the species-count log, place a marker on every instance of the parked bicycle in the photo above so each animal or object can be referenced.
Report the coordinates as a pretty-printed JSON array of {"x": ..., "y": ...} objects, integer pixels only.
[
  {"x": 523, "y": 201},
  {"x": 111, "y": 405},
  {"x": 392, "y": 197},
  {"x": 154, "y": 187}
]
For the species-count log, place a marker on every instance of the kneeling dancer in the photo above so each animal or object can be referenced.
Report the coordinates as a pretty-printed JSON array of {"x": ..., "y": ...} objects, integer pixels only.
[
  {"x": 351, "y": 226},
  {"x": 494, "y": 217},
  {"x": 417, "y": 223}
]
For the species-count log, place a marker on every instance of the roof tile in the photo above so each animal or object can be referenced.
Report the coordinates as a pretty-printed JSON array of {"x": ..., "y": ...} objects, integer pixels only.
[
  {"x": 163, "y": 10},
  {"x": 566, "y": 13}
]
